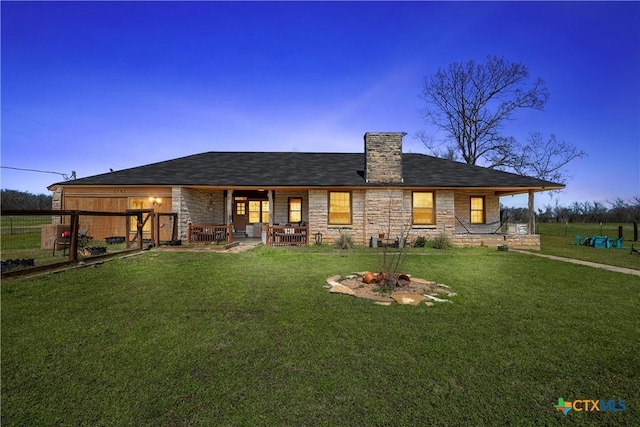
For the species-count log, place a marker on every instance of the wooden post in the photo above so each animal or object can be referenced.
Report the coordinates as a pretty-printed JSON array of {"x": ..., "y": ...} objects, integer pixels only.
[
  {"x": 156, "y": 228},
  {"x": 271, "y": 208},
  {"x": 154, "y": 235},
  {"x": 189, "y": 232},
  {"x": 140, "y": 226},
  {"x": 229, "y": 233},
  {"x": 530, "y": 227},
  {"x": 268, "y": 243},
  {"x": 73, "y": 249},
  {"x": 127, "y": 222},
  {"x": 229, "y": 207},
  {"x": 174, "y": 232}
]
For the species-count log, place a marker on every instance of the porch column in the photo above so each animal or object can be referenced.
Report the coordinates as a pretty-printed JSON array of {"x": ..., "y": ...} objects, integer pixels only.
[
  {"x": 229, "y": 207},
  {"x": 530, "y": 226},
  {"x": 272, "y": 210}
]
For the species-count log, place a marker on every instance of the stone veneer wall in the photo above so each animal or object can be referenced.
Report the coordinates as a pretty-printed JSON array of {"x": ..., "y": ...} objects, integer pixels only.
[
  {"x": 463, "y": 209},
  {"x": 197, "y": 207},
  {"x": 318, "y": 216},
  {"x": 513, "y": 241},
  {"x": 370, "y": 215},
  {"x": 383, "y": 157},
  {"x": 376, "y": 211},
  {"x": 385, "y": 213},
  {"x": 56, "y": 204},
  {"x": 281, "y": 205}
]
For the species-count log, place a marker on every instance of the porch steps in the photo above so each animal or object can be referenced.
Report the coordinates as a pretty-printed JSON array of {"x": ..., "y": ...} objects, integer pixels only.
[{"x": 238, "y": 235}]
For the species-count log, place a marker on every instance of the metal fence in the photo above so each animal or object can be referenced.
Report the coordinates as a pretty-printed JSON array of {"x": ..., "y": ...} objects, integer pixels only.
[{"x": 34, "y": 240}]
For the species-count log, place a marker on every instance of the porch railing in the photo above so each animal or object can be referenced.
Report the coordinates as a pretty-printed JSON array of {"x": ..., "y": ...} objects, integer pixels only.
[
  {"x": 209, "y": 233},
  {"x": 287, "y": 235}
]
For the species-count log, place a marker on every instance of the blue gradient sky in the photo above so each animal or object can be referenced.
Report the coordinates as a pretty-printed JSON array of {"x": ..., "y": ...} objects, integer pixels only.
[{"x": 91, "y": 86}]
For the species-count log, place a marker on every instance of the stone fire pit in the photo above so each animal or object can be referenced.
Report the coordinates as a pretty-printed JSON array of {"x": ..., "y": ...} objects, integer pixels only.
[{"x": 413, "y": 291}]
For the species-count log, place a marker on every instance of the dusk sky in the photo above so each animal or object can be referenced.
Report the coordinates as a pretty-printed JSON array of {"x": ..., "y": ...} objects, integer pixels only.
[{"x": 93, "y": 86}]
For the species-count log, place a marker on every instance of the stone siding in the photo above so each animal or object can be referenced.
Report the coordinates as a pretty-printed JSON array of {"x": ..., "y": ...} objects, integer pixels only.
[
  {"x": 383, "y": 157},
  {"x": 463, "y": 211},
  {"x": 374, "y": 211},
  {"x": 386, "y": 213},
  {"x": 197, "y": 207},
  {"x": 319, "y": 216},
  {"x": 513, "y": 241},
  {"x": 381, "y": 211},
  {"x": 56, "y": 204},
  {"x": 280, "y": 209},
  {"x": 318, "y": 209}
]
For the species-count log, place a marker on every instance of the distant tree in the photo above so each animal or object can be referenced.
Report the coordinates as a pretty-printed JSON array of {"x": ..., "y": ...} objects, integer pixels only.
[
  {"x": 471, "y": 103},
  {"x": 21, "y": 200},
  {"x": 545, "y": 215},
  {"x": 619, "y": 211},
  {"x": 635, "y": 208}
]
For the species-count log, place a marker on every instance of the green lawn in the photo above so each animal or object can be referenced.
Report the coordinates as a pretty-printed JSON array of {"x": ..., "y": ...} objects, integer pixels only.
[
  {"x": 560, "y": 240},
  {"x": 175, "y": 338}
]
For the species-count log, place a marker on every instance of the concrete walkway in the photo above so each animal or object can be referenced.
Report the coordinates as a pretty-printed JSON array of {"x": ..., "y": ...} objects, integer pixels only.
[
  {"x": 240, "y": 245},
  {"x": 587, "y": 263}
]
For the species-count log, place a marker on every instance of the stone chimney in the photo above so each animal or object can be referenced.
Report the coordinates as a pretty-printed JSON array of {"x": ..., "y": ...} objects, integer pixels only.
[{"x": 383, "y": 157}]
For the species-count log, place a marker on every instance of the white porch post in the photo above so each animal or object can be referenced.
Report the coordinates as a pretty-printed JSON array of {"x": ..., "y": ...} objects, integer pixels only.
[
  {"x": 229, "y": 207},
  {"x": 271, "y": 207},
  {"x": 530, "y": 227}
]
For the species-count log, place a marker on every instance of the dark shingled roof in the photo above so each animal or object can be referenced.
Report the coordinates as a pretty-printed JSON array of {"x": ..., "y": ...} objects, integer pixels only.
[{"x": 277, "y": 169}]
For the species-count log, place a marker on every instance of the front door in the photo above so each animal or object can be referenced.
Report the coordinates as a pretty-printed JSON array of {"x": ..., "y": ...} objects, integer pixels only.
[{"x": 240, "y": 215}]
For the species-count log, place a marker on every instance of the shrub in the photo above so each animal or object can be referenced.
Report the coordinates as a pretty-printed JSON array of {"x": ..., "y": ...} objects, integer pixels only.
[
  {"x": 345, "y": 241},
  {"x": 420, "y": 242},
  {"x": 441, "y": 242}
]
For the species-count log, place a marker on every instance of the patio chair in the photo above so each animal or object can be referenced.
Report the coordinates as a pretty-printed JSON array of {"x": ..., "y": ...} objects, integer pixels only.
[
  {"x": 616, "y": 243},
  {"x": 64, "y": 241}
]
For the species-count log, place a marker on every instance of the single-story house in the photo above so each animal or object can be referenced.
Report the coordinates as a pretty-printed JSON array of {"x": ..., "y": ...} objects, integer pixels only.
[{"x": 375, "y": 194}]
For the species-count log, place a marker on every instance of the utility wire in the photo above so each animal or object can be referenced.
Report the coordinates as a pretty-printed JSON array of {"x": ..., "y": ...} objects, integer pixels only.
[{"x": 64, "y": 175}]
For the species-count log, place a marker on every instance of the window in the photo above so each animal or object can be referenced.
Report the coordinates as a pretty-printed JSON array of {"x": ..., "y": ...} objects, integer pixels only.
[
  {"x": 295, "y": 209},
  {"x": 254, "y": 211},
  {"x": 477, "y": 210},
  {"x": 258, "y": 211},
  {"x": 139, "y": 204},
  {"x": 423, "y": 207},
  {"x": 339, "y": 207},
  {"x": 265, "y": 211}
]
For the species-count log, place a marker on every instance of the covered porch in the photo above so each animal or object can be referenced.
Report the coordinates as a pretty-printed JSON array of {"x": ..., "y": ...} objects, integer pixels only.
[
  {"x": 479, "y": 220},
  {"x": 277, "y": 217}
]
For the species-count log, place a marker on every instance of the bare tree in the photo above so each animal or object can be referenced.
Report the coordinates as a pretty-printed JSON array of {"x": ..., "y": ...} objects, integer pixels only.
[
  {"x": 471, "y": 102},
  {"x": 545, "y": 159},
  {"x": 437, "y": 150}
]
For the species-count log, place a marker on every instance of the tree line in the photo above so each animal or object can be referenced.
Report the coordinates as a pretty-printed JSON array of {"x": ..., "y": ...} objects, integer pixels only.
[
  {"x": 23, "y": 200},
  {"x": 616, "y": 211}
]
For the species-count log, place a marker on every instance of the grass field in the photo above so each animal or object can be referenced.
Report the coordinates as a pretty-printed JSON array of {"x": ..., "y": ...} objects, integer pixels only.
[
  {"x": 176, "y": 338},
  {"x": 560, "y": 240},
  {"x": 22, "y": 224}
]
